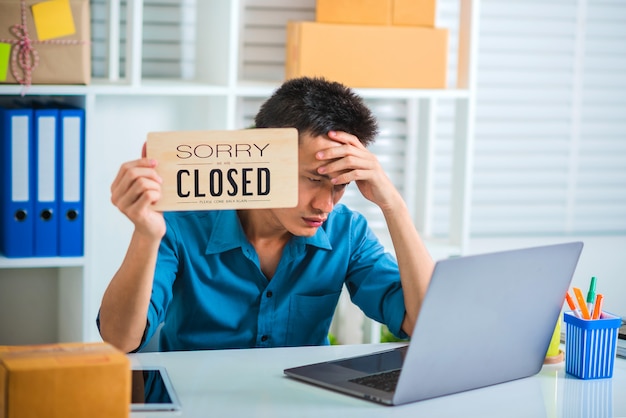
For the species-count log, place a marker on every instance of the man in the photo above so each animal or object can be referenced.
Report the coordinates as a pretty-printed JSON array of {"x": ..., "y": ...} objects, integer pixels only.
[{"x": 269, "y": 277}]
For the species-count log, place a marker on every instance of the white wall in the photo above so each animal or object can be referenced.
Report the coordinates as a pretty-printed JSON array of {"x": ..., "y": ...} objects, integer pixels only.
[
  {"x": 603, "y": 257},
  {"x": 31, "y": 317}
]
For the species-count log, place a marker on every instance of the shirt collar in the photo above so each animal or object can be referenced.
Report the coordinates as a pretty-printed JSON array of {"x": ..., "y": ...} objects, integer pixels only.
[
  {"x": 228, "y": 234},
  {"x": 320, "y": 240}
]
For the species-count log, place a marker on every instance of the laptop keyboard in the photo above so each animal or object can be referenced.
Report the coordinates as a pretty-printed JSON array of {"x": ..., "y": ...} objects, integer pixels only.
[{"x": 385, "y": 381}]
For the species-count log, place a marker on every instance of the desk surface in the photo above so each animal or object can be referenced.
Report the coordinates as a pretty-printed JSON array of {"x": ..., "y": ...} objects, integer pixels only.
[{"x": 250, "y": 383}]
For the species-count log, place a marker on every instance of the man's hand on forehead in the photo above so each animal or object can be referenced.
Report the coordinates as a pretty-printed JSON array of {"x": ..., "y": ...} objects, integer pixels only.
[{"x": 348, "y": 161}]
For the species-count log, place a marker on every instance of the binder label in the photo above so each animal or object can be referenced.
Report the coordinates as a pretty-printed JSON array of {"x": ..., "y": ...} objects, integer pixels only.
[
  {"x": 20, "y": 176},
  {"x": 71, "y": 159},
  {"x": 46, "y": 158}
]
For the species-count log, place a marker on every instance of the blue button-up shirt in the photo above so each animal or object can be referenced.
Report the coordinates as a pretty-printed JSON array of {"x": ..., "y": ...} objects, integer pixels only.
[{"x": 210, "y": 292}]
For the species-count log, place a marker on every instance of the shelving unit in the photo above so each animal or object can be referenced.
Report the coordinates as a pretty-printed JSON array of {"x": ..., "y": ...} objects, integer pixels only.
[{"x": 227, "y": 84}]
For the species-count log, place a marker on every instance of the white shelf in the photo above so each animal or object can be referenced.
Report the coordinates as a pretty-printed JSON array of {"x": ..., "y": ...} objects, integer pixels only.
[
  {"x": 264, "y": 89},
  {"x": 120, "y": 111},
  {"x": 104, "y": 87},
  {"x": 40, "y": 262},
  {"x": 42, "y": 90},
  {"x": 156, "y": 87}
]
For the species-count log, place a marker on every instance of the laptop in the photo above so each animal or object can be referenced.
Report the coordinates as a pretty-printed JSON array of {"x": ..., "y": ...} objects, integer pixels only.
[{"x": 486, "y": 319}]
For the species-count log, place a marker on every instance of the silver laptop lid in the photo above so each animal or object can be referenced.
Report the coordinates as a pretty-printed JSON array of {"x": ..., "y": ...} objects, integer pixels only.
[{"x": 486, "y": 319}]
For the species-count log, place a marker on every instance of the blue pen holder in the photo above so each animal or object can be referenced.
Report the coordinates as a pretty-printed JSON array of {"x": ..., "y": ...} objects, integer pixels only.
[{"x": 590, "y": 345}]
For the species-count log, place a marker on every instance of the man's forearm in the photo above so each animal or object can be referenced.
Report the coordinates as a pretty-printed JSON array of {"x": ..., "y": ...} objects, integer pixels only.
[
  {"x": 414, "y": 261},
  {"x": 124, "y": 308}
]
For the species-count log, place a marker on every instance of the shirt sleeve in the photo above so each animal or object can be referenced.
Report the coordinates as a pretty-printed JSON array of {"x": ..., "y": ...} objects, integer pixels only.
[
  {"x": 165, "y": 274},
  {"x": 373, "y": 279}
]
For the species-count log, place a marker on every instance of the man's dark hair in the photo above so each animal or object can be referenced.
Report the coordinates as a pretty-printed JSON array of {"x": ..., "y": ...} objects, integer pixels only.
[{"x": 316, "y": 106}]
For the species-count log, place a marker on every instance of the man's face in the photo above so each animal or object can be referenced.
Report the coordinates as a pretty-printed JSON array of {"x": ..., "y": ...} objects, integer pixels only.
[{"x": 317, "y": 196}]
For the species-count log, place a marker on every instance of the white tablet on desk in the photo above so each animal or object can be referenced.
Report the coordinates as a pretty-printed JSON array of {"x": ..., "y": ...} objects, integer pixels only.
[{"x": 152, "y": 390}]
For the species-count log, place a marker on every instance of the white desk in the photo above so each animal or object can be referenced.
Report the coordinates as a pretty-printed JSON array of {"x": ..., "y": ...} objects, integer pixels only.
[{"x": 250, "y": 383}]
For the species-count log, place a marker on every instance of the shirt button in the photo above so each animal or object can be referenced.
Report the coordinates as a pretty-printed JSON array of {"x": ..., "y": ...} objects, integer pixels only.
[
  {"x": 264, "y": 338},
  {"x": 269, "y": 294}
]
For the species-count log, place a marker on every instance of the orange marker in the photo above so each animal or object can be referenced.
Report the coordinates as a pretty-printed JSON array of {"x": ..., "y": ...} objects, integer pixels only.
[
  {"x": 571, "y": 304},
  {"x": 582, "y": 303},
  {"x": 597, "y": 308}
]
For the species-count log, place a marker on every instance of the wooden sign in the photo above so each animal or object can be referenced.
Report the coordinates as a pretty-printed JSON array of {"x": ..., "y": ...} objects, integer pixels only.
[{"x": 239, "y": 169}]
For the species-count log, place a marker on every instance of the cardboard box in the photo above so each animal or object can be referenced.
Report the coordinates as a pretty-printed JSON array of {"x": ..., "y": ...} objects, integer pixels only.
[
  {"x": 414, "y": 12},
  {"x": 377, "y": 12},
  {"x": 64, "y": 380},
  {"x": 368, "y": 56},
  {"x": 359, "y": 12},
  {"x": 61, "y": 60}
]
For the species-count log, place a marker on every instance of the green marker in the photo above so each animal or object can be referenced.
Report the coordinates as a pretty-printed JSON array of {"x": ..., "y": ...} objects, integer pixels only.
[{"x": 591, "y": 294}]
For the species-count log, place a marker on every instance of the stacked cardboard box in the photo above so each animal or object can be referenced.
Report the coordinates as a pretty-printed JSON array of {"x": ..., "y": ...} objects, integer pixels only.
[
  {"x": 64, "y": 380},
  {"x": 377, "y": 12},
  {"x": 370, "y": 43},
  {"x": 45, "y": 42}
]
